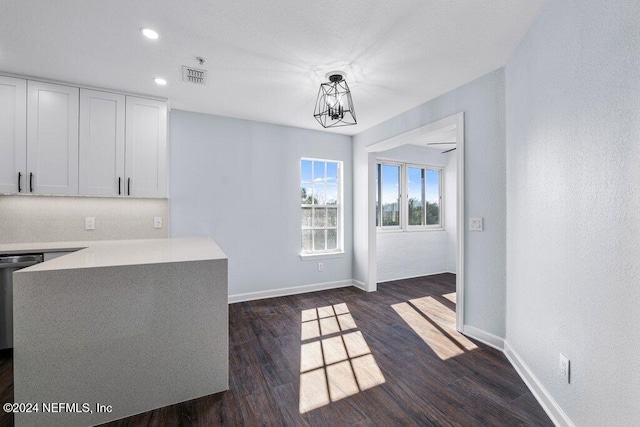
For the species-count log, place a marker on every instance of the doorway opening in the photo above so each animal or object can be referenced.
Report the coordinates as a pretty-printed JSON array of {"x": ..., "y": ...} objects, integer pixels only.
[{"x": 419, "y": 205}]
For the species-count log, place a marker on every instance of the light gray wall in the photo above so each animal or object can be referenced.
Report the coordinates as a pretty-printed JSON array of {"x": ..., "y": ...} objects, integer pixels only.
[
  {"x": 364, "y": 230},
  {"x": 450, "y": 209},
  {"x": 402, "y": 254},
  {"x": 573, "y": 198},
  {"x": 238, "y": 182},
  {"x": 482, "y": 102},
  {"x": 26, "y": 219}
]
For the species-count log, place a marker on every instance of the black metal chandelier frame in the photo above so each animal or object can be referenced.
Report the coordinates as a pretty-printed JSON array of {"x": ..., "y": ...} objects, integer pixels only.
[{"x": 334, "y": 106}]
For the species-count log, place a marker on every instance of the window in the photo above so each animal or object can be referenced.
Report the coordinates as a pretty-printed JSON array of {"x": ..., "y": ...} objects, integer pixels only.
[
  {"x": 423, "y": 196},
  {"x": 321, "y": 206},
  {"x": 388, "y": 195},
  {"x": 408, "y": 197}
]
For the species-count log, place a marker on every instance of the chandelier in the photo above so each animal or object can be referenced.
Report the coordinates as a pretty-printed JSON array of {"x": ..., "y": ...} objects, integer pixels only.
[{"x": 334, "y": 106}]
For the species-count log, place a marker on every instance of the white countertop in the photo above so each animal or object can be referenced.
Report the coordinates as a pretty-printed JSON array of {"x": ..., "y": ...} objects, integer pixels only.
[{"x": 110, "y": 253}]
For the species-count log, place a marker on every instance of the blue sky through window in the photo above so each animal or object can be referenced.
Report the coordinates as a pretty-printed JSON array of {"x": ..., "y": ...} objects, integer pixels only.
[
  {"x": 390, "y": 183},
  {"x": 415, "y": 183},
  {"x": 433, "y": 186},
  {"x": 306, "y": 171}
]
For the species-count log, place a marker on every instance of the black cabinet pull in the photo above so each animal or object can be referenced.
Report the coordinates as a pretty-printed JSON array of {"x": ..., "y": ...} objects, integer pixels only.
[
  {"x": 128, "y": 186},
  {"x": 19, "y": 182},
  {"x": 31, "y": 182},
  {"x": 119, "y": 179}
]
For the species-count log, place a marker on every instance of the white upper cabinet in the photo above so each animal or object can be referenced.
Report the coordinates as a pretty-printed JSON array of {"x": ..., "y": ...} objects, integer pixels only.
[
  {"x": 57, "y": 139},
  {"x": 102, "y": 142},
  {"x": 146, "y": 148},
  {"x": 13, "y": 134},
  {"x": 52, "y": 138}
]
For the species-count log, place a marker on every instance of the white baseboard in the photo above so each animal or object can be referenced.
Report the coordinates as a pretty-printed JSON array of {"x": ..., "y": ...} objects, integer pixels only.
[
  {"x": 273, "y": 293},
  {"x": 360, "y": 285},
  {"x": 548, "y": 403},
  {"x": 542, "y": 395},
  {"x": 416, "y": 276},
  {"x": 484, "y": 337}
]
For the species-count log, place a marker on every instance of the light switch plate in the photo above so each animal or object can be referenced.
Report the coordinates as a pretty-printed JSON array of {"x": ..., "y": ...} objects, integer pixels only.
[
  {"x": 565, "y": 368},
  {"x": 476, "y": 224},
  {"x": 157, "y": 222},
  {"x": 89, "y": 223}
]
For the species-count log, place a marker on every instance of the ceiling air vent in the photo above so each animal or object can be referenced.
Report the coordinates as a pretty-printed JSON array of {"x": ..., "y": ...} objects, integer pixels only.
[{"x": 194, "y": 75}]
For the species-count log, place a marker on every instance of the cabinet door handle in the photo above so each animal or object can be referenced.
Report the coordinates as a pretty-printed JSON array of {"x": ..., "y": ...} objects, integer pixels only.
[
  {"x": 119, "y": 186},
  {"x": 31, "y": 182},
  {"x": 19, "y": 182},
  {"x": 128, "y": 186}
]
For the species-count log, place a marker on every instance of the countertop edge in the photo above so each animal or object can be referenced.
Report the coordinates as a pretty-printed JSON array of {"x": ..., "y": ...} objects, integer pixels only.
[{"x": 114, "y": 253}]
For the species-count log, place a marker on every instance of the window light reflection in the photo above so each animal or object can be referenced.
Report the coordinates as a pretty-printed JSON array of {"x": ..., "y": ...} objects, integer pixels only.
[
  {"x": 451, "y": 297},
  {"x": 435, "y": 324},
  {"x": 335, "y": 360}
]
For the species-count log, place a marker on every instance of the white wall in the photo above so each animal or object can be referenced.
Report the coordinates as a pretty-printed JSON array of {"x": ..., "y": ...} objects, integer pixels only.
[
  {"x": 25, "y": 219},
  {"x": 450, "y": 209},
  {"x": 402, "y": 254},
  {"x": 364, "y": 230},
  {"x": 482, "y": 102},
  {"x": 573, "y": 199},
  {"x": 238, "y": 181}
]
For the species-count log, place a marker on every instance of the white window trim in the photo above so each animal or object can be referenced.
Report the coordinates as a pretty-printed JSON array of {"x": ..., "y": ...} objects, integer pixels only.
[
  {"x": 340, "y": 220},
  {"x": 404, "y": 199},
  {"x": 320, "y": 255}
]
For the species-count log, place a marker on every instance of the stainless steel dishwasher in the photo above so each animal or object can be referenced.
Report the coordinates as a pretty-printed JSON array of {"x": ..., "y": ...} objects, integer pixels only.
[{"x": 9, "y": 264}]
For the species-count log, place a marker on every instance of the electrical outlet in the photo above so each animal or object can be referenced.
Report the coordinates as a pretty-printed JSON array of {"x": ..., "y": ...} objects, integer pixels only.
[
  {"x": 476, "y": 224},
  {"x": 157, "y": 222},
  {"x": 320, "y": 266},
  {"x": 565, "y": 368},
  {"x": 89, "y": 223}
]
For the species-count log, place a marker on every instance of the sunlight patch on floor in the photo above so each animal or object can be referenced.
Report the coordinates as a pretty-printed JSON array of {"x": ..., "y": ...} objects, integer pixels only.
[
  {"x": 327, "y": 320},
  {"x": 451, "y": 297},
  {"x": 337, "y": 366},
  {"x": 435, "y": 323}
]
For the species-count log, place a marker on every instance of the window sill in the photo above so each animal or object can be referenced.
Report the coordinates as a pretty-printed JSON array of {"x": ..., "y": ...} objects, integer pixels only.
[
  {"x": 389, "y": 230},
  {"x": 409, "y": 230},
  {"x": 419, "y": 229},
  {"x": 321, "y": 255}
]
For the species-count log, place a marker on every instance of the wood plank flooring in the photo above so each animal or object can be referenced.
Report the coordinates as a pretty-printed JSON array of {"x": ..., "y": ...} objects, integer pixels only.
[{"x": 347, "y": 357}]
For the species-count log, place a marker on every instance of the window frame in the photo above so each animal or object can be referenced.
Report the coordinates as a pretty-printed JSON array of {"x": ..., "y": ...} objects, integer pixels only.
[
  {"x": 404, "y": 197},
  {"x": 327, "y": 253}
]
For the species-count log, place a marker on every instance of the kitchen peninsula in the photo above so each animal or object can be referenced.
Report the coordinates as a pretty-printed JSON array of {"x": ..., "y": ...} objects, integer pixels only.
[{"x": 132, "y": 325}]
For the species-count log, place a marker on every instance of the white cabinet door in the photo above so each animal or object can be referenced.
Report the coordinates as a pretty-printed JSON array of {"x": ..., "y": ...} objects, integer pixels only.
[
  {"x": 13, "y": 134},
  {"x": 102, "y": 117},
  {"x": 146, "y": 148},
  {"x": 52, "y": 138}
]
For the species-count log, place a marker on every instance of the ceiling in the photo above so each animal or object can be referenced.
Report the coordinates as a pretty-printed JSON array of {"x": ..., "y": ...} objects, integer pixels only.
[
  {"x": 266, "y": 59},
  {"x": 442, "y": 139}
]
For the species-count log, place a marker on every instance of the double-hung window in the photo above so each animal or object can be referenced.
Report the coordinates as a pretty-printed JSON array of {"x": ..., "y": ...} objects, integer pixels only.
[
  {"x": 409, "y": 197},
  {"x": 321, "y": 205}
]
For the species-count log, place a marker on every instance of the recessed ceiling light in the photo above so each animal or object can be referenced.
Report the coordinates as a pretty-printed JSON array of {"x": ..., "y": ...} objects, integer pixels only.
[
  {"x": 160, "y": 81},
  {"x": 149, "y": 33}
]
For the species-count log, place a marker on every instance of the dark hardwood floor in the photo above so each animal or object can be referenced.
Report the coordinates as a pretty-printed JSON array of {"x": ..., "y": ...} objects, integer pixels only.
[{"x": 347, "y": 357}]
